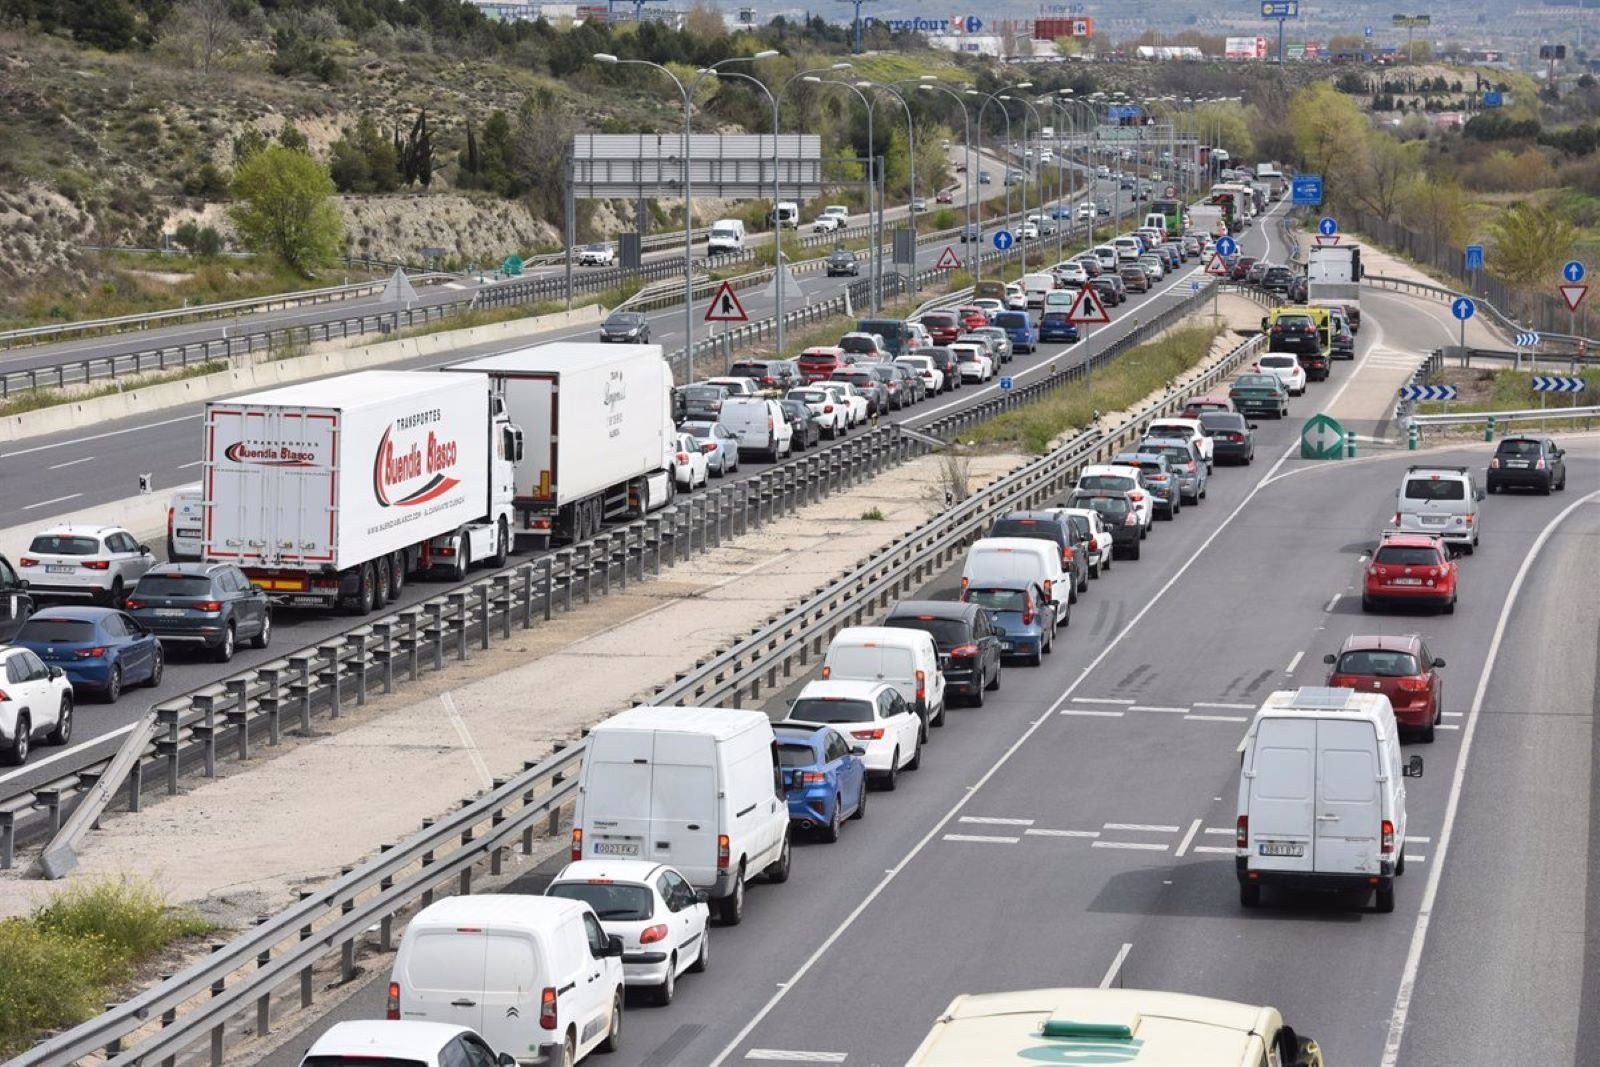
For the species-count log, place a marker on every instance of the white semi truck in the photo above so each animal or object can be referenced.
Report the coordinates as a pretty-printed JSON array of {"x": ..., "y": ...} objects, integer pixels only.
[
  {"x": 598, "y": 426},
  {"x": 333, "y": 493}
]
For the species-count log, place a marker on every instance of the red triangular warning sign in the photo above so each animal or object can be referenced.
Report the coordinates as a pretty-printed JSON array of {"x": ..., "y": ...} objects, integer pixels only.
[
  {"x": 948, "y": 260},
  {"x": 725, "y": 306},
  {"x": 1087, "y": 310},
  {"x": 1573, "y": 295},
  {"x": 1217, "y": 266},
  {"x": 1327, "y": 239}
]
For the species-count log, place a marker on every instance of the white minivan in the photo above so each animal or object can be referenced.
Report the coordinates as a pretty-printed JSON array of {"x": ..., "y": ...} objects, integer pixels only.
[
  {"x": 536, "y": 976},
  {"x": 727, "y": 235},
  {"x": 905, "y": 659},
  {"x": 699, "y": 789},
  {"x": 1036, "y": 286},
  {"x": 760, "y": 425},
  {"x": 992, "y": 558},
  {"x": 1129, "y": 249},
  {"x": 1440, "y": 500},
  {"x": 1322, "y": 795}
]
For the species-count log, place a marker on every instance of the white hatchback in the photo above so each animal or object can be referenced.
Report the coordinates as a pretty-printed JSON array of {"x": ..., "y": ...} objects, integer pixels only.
[
  {"x": 403, "y": 1041},
  {"x": 1189, "y": 429},
  {"x": 35, "y": 701},
  {"x": 922, "y": 367},
  {"x": 1287, "y": 368},
  {"x": 973, "y": 362},
  {"x": 1118, "y": 478},
  {"x": 831, "y": 413},
  {"x": 856, "y": 405},
  {"x": 1099, "y": 540},
  {"x": 664, "y": 922},
  {"x": 100, "y": 564},
  {"x": 691, "y": 467},
  {"x": 873, "y": 714}
]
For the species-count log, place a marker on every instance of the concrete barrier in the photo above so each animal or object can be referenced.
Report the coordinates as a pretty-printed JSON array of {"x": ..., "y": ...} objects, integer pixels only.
[{"x": 321, "y": 359}]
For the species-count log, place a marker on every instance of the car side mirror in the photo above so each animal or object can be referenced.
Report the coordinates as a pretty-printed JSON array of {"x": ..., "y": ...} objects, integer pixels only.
[
  {"x": 1000, "y": 631},
  {"x": 858, "y": 750},
  {"x": 506, "y": 1059},
  {"x": 614, "y": 943},
  {"x": 1479, "y": 494},
  {"x": 57, "y": 672},
  {"x": 1253, "y": 426},
  {"x": 1329, "y": 659},
  {"x": 1413, "y": 768},
  {"x": 702, "y": 896},
  {"x": 1437, "y": 662},
  {"x": 144, "y": 550}
]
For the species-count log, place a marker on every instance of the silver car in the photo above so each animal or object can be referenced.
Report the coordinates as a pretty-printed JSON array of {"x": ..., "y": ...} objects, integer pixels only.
[
  {"x": 720, "y": 445},
  {"x": 1185, "y": 461},
  {"x": 995, "y": 341}
]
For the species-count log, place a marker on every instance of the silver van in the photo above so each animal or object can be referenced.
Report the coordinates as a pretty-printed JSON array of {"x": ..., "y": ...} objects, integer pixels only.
[{"x": 1440, "y": 500}]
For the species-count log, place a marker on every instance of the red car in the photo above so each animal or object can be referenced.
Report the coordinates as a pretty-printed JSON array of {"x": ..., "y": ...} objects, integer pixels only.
[
  {"x": 945, "y": 196},
  {"x": 1402, "y": 669},
  {"x": 818, "y": 364},
  {"x": 972, "y": 318},
  {"x": 1135, "y": 279},
  {"x": 1196, "y": 406},
  {"x": 943, "y": 326},
  {"x": 1241, "y": 268},
  {"x": 1410, "y": 568}
]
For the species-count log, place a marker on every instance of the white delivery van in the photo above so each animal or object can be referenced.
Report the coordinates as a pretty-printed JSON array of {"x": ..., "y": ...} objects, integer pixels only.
[
  {"x": 536, "y": 976},
  {"x": 905, "y": 659},
  {"x": 787, "y": 214},
  {"x": 760, "y": 425},
  {"x": 1155, "y": 220},
  {"x": 699, "y": 789},
  {"x": 727, "y": 235},
  {"x": 1322, "y": 795},
  {"x": 1440, "y": 500},
  {"x": 1020, "y": 557},
  {"x": 1107, "y": 255},
  {"x": 1036, "y": 285},
  {"x": 1129, "y": 248},
  {"x": 186, "y": 520}
]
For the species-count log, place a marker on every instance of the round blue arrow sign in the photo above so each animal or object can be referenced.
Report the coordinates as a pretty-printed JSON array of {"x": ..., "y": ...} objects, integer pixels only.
[
  {"x": 1463, "y": 308},
  {"x": 1003, "y": 239},
  {"x": 1328, "y": 226},
  {"x": 1573, "y": 271},
  {"x": 1226, "y": 246}
]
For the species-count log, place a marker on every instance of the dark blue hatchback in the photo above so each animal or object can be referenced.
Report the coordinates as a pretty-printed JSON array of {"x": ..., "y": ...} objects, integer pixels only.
[
  {"x": 1019, "y": 327},
  {"x": 100, "y": 649},
  {"x": 1053, "y": 326},
  {"x": 824, "y": 777}
]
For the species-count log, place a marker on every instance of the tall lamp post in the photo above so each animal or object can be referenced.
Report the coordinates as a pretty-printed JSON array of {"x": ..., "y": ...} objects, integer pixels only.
[
  {"x": 928, "y": 83},
  {"x": 977, "y": 260},
  {"x": 911, "y": 155},
  {"x": 1014, "y": 93},
  {"x": 871, "y": 184}
]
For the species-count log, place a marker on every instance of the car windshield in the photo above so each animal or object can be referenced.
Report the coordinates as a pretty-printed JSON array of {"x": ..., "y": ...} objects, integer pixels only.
[
  {"x": 1407, "y": 556},
  {"x": 595, "y": 248},
  {"x": 997, "y": 599},
  {"x": 625, "y": 318},
  {"x": 1435, "y": 489},
  {"x": 64, "y": 545},
  {"x": 1295, "y": 322},
  {"x": 175, "y": 585},
  {"x": 794, "y": 754},
  {"x": 945, "y": 632},
  {"x": 52, "y": 631},
  {"x": 1119, "y": 482},
  {"x": 830, "y": 709},
  {"x": 610, "y": 900},
  {"x": 1518, "y": 448},
  {"x": 1380, "y": 662}
]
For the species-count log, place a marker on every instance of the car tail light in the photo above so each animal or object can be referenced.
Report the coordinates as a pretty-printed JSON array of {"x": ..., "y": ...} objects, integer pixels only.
[
  {"x": 1241, "y": 832},
  {"x": 445, "y": 550},
  {"x": 1388, "y": 837},
  {"x": 90, "y": 653},
  {"x": 769, "y": 426},
  {"x": 1539, "y": 466},
  {"x": 827, "y": 409},
  {"x": 547, "y": 1008},
  {"x": 965, "y": 581},
  {"x": 1413, "y": 685},
  {"x": 683, "y": 457},
  {"x": 653, "y": 934},
  {"x": 209, "y": 605},
  {"x": 4, "y": 696},
  {"x": 922, "y": 684},
  {"x": 1397, "y": 518},
  {"x": 132, "y": 604},
  {"x": 1236, "y": 438},
  {"x": 722, "y": 852},
  {"x": 709, "y": 446},
  {"x": 1494, "y": 462},
  {"x": 1066, "y": 557},
  {"x": 827, "y": 672},
  {"x": 392, "y": 1012},
  {"x": 1131, "y": 520},
  {"x": 27, "y": 561},
  {"x": 97, "y": 564},
  {"x": 577, "y": 844},
  {"x": 812, "y": 778},
  {"x": 867, "y": 735},
  {"x": 171, "y": 514},
  {"x": 964, "y": 650},
  {"x": 1135, "y": 497},
  {"x": 1048, "y": 586}
]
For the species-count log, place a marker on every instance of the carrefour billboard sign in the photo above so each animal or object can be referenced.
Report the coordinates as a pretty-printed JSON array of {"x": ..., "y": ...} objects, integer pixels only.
[{"x": 954, "y": 24}]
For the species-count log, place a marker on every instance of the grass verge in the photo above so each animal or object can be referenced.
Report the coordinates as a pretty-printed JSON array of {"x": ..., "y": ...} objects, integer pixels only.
[
  {"x": 1131, "y": 377},
  {"x": 64, "y": 961},
  {"x": 38, "y": 399},
  {"x": 1506, "y": 389}
]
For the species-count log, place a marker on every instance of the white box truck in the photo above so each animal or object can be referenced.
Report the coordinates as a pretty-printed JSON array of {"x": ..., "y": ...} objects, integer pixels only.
[
  {"x": 1333, "y": 276},
  {"x": 331, "y": 493},
  {"x": 597, "y": 421}
]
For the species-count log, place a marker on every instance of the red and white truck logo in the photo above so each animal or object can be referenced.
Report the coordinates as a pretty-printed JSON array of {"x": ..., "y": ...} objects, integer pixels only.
[
  {"x": 395, "y": 472},
  {"x": 272, "y": 454}
]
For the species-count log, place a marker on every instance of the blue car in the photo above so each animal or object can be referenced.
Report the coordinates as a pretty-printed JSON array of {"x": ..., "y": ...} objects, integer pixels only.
[
  {"x": 1021, "y": 612},
  {"x": 824, "y": 777},
  {"x": 1019, "y": 328},
  {"x": 1053, "y": 326},
  {"x": 102, "y": 650}
]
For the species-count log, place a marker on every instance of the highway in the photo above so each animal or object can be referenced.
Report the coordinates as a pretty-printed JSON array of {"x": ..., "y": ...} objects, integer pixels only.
[{"x": 104, "y": 466}]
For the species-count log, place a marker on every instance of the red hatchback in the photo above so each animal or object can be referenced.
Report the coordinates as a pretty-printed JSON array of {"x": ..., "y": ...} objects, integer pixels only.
[
  {"x": 1402, "y": 669},
  {"x": 972, "y": 317},
  {"x": 1196, "y": 406},
  {"x": 1410, "y": 568},
  {"x": 818, "y": 364},
  {"x": 1241, "y": 268},
  {"x": 943, "y": 326}
]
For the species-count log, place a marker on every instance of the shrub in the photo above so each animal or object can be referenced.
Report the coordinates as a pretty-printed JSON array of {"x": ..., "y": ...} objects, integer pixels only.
[{"x": 130, "y": 919}]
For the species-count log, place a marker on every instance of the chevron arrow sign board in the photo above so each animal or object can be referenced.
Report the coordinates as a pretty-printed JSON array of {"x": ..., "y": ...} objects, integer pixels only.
[
  {"x": 1428, "y": 392},
  {"x": 1527, "y": 340},
  {"x": 1543, "y": 384}
]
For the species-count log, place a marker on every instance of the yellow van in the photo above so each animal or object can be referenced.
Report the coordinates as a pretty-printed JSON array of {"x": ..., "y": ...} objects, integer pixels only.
[{"x": 1141, "y": 1028}]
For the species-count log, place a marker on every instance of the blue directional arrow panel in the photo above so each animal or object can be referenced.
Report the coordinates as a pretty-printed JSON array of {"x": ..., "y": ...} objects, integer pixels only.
[
  {"x": 1527, "y": 340},
  {"x": 1428, "y": 392},
  {"x": 1556, "y": 384}
]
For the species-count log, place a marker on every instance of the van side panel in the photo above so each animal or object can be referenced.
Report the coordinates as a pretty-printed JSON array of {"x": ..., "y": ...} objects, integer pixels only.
[
  {"x": 512, "y": 977},
  {"x": 683, "y": 824},
  {"x": 1349, "y": 805},
  {"x": 752, "y": 798},
  {"x": 1282, "y": 792}
]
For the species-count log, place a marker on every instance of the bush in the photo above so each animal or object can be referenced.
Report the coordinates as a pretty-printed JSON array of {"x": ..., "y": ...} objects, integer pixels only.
[
  {"x": 130, "y": 919},
  {"x": 207, "y": 182}
]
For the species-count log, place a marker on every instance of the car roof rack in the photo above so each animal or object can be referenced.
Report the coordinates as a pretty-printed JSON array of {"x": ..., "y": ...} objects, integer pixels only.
[
  {"x": 1429, "y": 534},
  {"x": 1435, "y": 467}
]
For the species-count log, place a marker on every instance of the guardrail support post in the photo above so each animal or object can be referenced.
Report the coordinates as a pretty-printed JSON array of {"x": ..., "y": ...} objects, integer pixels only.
[
  {"x": 305, "y": 972},
  {"x": 217, "y": 989},
  {"x": 386, "y": 924},
  {"x": 483, "y": 617},
  {"x": 566, "y": 557},
  {"x": 168, "y": 1017},
  {"x": 653, "y": 544},
  {"x": 547, "y": 586},
  {"x": 427, "y": 861},
  {"x": 436, "y": 617},
  {"x": 466, "y": 872},
  {"x": 462, "y": 618},
  {"x": 136, "y": 786},
  {"x": 347, "y": 951},
  {"x": 264, "y": 1001}
]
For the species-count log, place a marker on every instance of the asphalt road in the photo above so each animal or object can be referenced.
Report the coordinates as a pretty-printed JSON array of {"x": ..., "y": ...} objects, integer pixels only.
[{"x": 104, "y": 465}]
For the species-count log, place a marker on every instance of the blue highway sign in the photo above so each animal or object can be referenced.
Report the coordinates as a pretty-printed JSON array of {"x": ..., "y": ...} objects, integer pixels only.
[
  {"x": 1544, "y": 384},
  {"x": 1280, "y": 9},
  {"x": 1527, "y": 340},
  {"x": 1474, "y": 257},
  {"x": 1005, "y": 383},
  {"x": 1307, "y": 190},
  {"x": 1463, "y": 308}
]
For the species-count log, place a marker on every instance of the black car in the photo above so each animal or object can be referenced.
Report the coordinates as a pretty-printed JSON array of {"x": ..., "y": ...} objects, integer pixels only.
[
  {"x": 971, "y": 234},
  {"x": 1527, "y": 463},
  {"x": 1054, "y": 527},
  {"x": 1315, "y": 364},
  {"x": 1111, "y": 288},
  {"x": 1291, "y": 333},
  {"x": 969, "y": 645},
  {"x": 209, "y": 605},
  {"x": 1277, "y": 279},
  {"x": 1232, "y": 436},
  {"x": 627, "y": 327},
  {"x": 807, "y": 430},
  {"x": 16, "y": 603},
  {"x": 703, "y": 403},
  {"x": 1296, "y": 293},
  {"x": 842, "y": 261},
  {"x": 867, "y": 384},
  {"x": 945, "y": 362},
  {"x": 1120, "y": 516}
]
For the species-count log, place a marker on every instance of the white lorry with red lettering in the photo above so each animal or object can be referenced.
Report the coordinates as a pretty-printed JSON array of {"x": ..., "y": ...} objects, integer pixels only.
[{"x": 333, "y": 493}]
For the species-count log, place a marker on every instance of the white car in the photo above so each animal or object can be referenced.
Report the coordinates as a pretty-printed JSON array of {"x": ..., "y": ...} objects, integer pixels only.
[
  {"x": 974, "y": 362},
  {"x": 872, "y": 714},
  {"x": 827, "y": 224},
  {"x": 186, "y": 524},
  {"x": 1189, "y": 429},
  {"x": 916, "y": 335},
  {"x": 1287, "y": 368},
  {"x": 35, "y": 701},
  {"x": 736, "y": 386},
  {"x": 664, "y": 922},
  {"x": 991, "y": 307},
  {"x": 856, "y": 405},
  {"x": 691, "y": 467},
  {"x": 832, "y": 414},
  {"x": 597, "y": 255},
  {"x": 1099, "y": 541},
  {"x": 1028, "y": 232},
  {"x": 1116, "y": 477},
  {"x": 1070, "y": 274},
  {"x": 923, "y": 367},
  {"x": 1016, "y": 297},
  {"x": 408, "y": 1041},
  {"x": 100, "y": 564},
  {"x": 1086, "y": 210}
]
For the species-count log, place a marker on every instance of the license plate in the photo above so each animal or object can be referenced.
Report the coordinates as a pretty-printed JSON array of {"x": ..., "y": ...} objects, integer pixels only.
[
  {"x": 1408, "y": 581},
  {"x": 170, "y": 613},
  {"x": 189, "y": 533},
  {"x": 1517, "y": 463},
  {"x": 1282, "y": 848},
  {"x": 1006, "y": 646},
  {"x": 1433, "y": 520},
  {"x": 59, "y": 569},
  {"x": 616, "y": 848}
]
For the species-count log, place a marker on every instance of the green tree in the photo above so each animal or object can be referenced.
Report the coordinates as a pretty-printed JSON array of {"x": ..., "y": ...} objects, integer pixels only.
[
  {"x": 1380, "y": 174},
  {"x": 1529, "y": 242},
  {"x": 208, "y": 242},
  {"x": 416, "y": 155},
  {"x": 187, "y": 234},
  {"x": 284, "y": 207},
  {"x": 247, "y": 143},
  {"x": 1330, "y": 136},
  {"x": 291, "y": 138},
  {"x": 1436, "y": 207}
]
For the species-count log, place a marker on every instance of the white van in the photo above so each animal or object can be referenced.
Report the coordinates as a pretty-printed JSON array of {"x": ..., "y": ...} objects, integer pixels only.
[
  {"x": 1036, "y": 285},
  {"x": 186, "y": 522},
  {"x": 1322, "y": 795},
  {"x": 1440, "y": 500},
  {"x": 787, "y": 214},
  {"x": 1129, "y": 248},
  {"x": 760, "y": 425},
  {"x": 905, "y": 659},
  {"x": 699, "y": 789},
  {"x": 1039, "y": 561},
  {"x": 727, "y": 235},
  {"x": 536, "y": 976},
  {"x": 1107, "y": 255},
  {"x": 1155, "y": 220}
]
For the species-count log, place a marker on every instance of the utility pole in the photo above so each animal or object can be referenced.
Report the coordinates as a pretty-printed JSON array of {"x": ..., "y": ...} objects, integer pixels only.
[{"x": 856, "y": 47}]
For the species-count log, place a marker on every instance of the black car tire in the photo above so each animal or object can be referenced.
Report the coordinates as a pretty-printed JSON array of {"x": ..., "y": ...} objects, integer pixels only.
[
  {"x": 1367, "y": 605},
  {"x": 915, "y": 762},
  {"x": 861, "y": 803},
  {"x": 994, "y": 683},
  {"x": 114, "y": 687},
  {"x": 830, "y": 832},
  {"x": 264, "y": 637},
  {"x": 1134, "y": 552},
  {"x": 730, "y": 909},
  {"x": 1383, "y": 900},
  {"x": 777, "y": 871},
  {"x": 63, "y": 731},
  {"x": 223, "y": 652},
  {"x": 16, "y": 754},
  {"x": 157, "y": 669},
  {"x": 1249, "y": 895},
  {"x": 891, "y": 780}
]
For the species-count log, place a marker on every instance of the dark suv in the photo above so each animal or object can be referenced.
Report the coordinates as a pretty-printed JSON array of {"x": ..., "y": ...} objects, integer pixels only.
[
  {"x": 969, "y": 645},
  {"x": 16, "y": 603},
  {"x": 779, "y": 374},
  {"x": 1277, "y": 279},
  {"x": 1529, "y": 463},
  {"x": 212, "y": 605},
  {"x": 1057, "y": 528}
]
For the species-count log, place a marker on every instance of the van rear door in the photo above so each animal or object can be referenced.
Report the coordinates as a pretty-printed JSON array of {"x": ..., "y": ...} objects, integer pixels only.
[
  {"x": 514, "y": 977},
  {"x": 1282, "y": 793},
  {"x": 1349, "y": 804},
  {"x": 684, "y": 789},
  {"x": 443, "y": 979},
  {"x": 616, "y": 798}
]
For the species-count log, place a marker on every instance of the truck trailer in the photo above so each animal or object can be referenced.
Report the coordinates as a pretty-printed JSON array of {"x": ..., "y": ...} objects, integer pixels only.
[
  {"x": 1333, "y": 276},
  {"x": 598, "y": 426},
  {"x": 333, "y": 493}
]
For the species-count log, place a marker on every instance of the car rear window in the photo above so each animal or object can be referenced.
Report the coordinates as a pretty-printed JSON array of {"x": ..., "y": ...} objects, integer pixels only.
[
  {"x": 1055, "y": 316},
  {"x": 997, "y": 599},
  {"x": 1278, "y": 361},
  {"x": 747, "y": 370},
  {"x": 792, "y": 754},
  {"x": 830, "y": 709},
  {"x": 945, "y": 632},
  {"x": 1406, "y": 556},
  {"x": 612, "y": 901},
  {"x": 942, "y": 321},
  {"x": 175, "y": 585},
  {"x": 1221, "y": 420},
  {"x": 1518, "y": 448},
  {"x": 1380, "y": 662},
  {"x": 62, "y": 630},
  {"x": 704, "y": 392},
  {"x": 1035, "y": 528},
  {"x": 1118, "y": 482},
  {"x": 64, "y": 545},
  {"x": 818, "y": 357},
  {"x": 1011, "y": 320},
  {"x": 1176, "y": 456},
  {"x": 1114, "y": 506},
  {"x": 1435, "y": 489}
]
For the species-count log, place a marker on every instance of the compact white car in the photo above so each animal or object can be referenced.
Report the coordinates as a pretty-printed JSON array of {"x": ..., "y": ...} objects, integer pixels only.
[
  {"x": 872, "y": 714},
  {"x": 916, "y": 335},
  {"x": 1016, "y": 297},
  {"x": 1086, "y": 210},
  {"x": 991, "y": 307},
  {"x": 827, "y": 224},
  {"x": 922, "y": 367},
  {"x": 974, "y": 363},
  {"x": 691, "y": 467},
  {"x": 736, "y": 386},
  {"x": 404, "y": 1041},
  {"x": 99, "y": 564},
  {"x": 1287, "y": 368},
  {"x": 856, "y": 405},
  {"x": 832, "y": 414},
  {"x": 664, "y": 922},
  {"x": 1122, "y": 479},
  {"x": 35, "y": 701},
  {"x": 1189, "y": 429},
  {"x": 597, "y": 255},
  {"x": 1099, "y": 536},
  {"x": 1028, "y": 232},
  {"x": 1070, "y": 273}
]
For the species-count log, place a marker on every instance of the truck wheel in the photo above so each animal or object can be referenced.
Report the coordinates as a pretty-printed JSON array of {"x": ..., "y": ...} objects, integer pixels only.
[
  {"x": 1249, "y": 894},
  {"x": 463, "y": 559},
  {"x": 1383, "y": 900},
  {"x": 367, "y": 590},
  {"x": 397, "y": 575},
  {"x": 502, "y": 552},
  {"x": 380, "y": 587}
]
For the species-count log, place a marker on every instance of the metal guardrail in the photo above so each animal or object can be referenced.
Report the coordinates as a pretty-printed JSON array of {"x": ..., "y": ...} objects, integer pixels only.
[
  {"x": 1505, "y": 322},
  {"x": 1502, "y": 418},
  {"x": 236, "y": 986}
]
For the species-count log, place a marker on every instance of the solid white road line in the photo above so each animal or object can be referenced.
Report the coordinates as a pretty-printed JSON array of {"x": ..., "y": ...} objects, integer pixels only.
[
  {"x": 1158, "y": 707},
  {"x": 1214, "y": 704},
  {"x": 69, "y": 463},
  {"x": 1092, "y": 714},
  {"x": 47, "y": 503},
  {"x": 186, "y": 466},
  {"x": 1220, "y": 830},
  {"x": 1419, "y": 932},
  {"x": 35, "y": 764},
  {"x": 1188, "y": 838},
  {"x": 1216, "y": 849},
  {"x": 996, "y": 822},
  {"x": 1116, "y": 965},
  {"x": 778, "y": 1055},
  {"x": 1142, "y": 827},
  {"x": 1294, "y": 662},
  {"x": 101, "y": 436},
  {"x": 1099, "y": 700},
  {"x": 1334, "y": 601},
  {"x": 460, "y": 726},
  {"x": 982, "y": 840}
]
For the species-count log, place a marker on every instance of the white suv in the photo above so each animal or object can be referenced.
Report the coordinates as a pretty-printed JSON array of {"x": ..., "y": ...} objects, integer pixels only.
[
  {"x": 79, "y": 562},
  {"x": 596, "y": 255},
  {"x": 35, "y": 700}
]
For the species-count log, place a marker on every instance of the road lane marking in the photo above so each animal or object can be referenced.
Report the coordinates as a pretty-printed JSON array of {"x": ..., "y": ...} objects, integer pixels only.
[
  {"x": 1116, "y": 965},
  {"x": 1419, "y": 931},
  {"x": 1219, "y": 850},
  {"x": 1219, "y": 830},
  {"x": 100, "y": 436},
  {"x": 982, "y": 839},
  {"x": 1294, "y": 662},
  {"x": 1218, "y": 704},
  {"x": 1215, "y": 718},
  {"x": 35, "y": 764},
  {"x": 1413, "y": 857},
  {"x": 460, "y": 726},
  {"x": 1092, "y": 714},
  {"x": 990, "y": 821},
  {"x": 1188, "y": 838},
  {"x": 1161, "y": 708},
  {"x": 69, "y": 463},
  {"x": 1142, "y": 827},
  {"x": 1099, "y": 700},
  {"x": 1334, "y": 601},
  {"x": 1061, "y": 833},
  {"x": 778, "y": 1055},
  {"x": 47, "y": 503},
  {"x": 1410, "y": 840},
  {"x": 186, "y": 466}
]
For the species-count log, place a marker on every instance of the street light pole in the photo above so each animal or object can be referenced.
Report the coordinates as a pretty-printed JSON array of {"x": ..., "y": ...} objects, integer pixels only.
[
  {"x": 1038, "y": 126},
  {"x": 911, "y": 155},
  {"x": 987, "y": 97},
  {"x": 925, "y": 83},
  {"x": 877, "y": 258}
]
